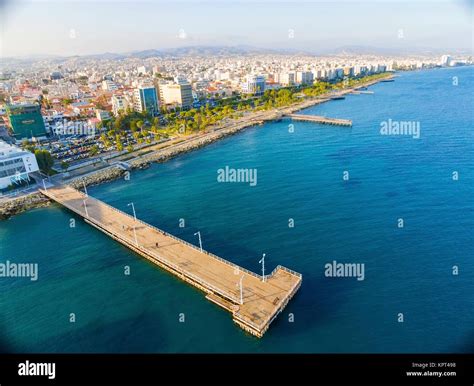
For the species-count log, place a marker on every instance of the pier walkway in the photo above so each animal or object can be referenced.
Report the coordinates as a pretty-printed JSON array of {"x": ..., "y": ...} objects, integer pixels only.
[
  {"x": 321, "y": 119},
  {"x": 253, "y": 305}
]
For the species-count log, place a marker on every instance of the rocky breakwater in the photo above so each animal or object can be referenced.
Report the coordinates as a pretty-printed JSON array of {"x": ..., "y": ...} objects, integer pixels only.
[
  {"x": 187, "y": 145},
  {"x": 95, "y": 178},
  {"x": 21, "y": 204},
  {"x": 13, "y": 206}
]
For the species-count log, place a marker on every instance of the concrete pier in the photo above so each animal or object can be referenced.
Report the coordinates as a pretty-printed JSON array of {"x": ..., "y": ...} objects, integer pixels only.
[
  {"x": 253, "y": 306},
  {"x": 321, "y": 119}
]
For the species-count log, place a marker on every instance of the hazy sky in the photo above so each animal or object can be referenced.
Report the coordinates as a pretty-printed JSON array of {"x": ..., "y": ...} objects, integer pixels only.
[{"x": 72, "y": 27}]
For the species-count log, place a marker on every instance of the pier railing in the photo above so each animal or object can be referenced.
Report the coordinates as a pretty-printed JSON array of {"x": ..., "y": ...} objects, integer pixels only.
[
  {"x": 146, "y": 251},
  {"x": 237, "y": 267},
  {"x": 92, "y": 216},
  {"x": 284, "y": 301}
]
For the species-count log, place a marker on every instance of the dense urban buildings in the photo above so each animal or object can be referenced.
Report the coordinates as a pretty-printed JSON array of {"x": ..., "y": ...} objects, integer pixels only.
[{"x": 82, "y": 107}]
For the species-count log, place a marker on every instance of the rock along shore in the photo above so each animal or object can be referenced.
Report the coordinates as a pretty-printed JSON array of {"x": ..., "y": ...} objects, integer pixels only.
[{"x": 22, "y": 204}]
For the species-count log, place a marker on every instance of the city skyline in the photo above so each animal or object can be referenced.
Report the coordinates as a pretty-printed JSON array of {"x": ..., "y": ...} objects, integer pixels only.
[{"x": 96, "y": 27}]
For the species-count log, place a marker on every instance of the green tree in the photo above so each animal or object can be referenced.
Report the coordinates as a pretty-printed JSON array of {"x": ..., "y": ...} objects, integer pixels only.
[
  {"x": 94, "y": 150},
  {"x": 45, "y": 161},
  {"x": 118, "y": 141},
  {"x": 65, "y": 165}
]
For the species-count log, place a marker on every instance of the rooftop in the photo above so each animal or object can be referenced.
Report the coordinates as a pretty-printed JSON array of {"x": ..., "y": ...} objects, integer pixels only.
[{"x": 9, "y": 151}]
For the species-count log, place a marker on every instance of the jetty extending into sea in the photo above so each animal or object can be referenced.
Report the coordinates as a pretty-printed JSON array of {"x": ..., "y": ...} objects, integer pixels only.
[
  {"x": 321, "y": 119},
  {"x": 253, "y": 300}
]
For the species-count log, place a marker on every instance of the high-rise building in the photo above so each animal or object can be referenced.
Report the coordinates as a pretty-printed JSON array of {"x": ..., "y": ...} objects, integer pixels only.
[
  {"x": 254, "y": 84},
  {"x": 176, "y": 94},
  {"x": 145, "y": 99},
  {"x": 286, "y": 78},
  {"x": 26, "y": 120},
  {"x": 304, "y": 77},
  {"x": 446, "y": 60},
  {"x": 348, "y": 71}
]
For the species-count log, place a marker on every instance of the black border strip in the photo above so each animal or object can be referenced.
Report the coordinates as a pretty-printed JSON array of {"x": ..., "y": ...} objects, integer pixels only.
[{"x": 242, "y": 369}]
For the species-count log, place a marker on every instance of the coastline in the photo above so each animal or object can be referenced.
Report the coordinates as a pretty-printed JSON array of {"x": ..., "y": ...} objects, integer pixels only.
[{"x": 115, "y": 171}]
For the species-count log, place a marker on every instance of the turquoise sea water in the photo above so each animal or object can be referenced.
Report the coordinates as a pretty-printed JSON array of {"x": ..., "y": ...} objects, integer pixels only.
[{"x": 407, "y": 270}]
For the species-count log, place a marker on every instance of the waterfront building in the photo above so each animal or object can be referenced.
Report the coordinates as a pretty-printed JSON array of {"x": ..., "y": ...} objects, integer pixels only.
[
  {"x": 304, "y": 77},
  {"x": 254, "y": 84},
  {"x": 26, "y": 120},
  {"x": 16, "y": 165},
  {"x": 286, "y": 78},
  {"x": 348, "y": 71},
  {"x": 145, "y": 99},
  {"x": 176, "y": 94},
  {"x": 446, "y": 60}
]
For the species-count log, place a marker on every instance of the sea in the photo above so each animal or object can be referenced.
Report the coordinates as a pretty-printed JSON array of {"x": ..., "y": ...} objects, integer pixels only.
[{"x": 398, "y": 203}]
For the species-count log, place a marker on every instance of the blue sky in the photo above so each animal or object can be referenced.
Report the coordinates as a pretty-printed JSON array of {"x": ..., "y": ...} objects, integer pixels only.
[{"x": 72, "y": 27}]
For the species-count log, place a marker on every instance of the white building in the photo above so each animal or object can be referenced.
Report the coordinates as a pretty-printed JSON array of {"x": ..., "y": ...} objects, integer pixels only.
[
  {"x": 254, "y": 84},
  {"x": 174, "y": 94},
  {"x": 109, "y": 85},
  {"x": 15, "y": 165},
  {"x": 446, "y": 60},
  {"x": 142, "y": 70},
  {"x": 304, "y": 77},
  {"x": 119, "y": 103},
  {"x": 286, "y": 78}
]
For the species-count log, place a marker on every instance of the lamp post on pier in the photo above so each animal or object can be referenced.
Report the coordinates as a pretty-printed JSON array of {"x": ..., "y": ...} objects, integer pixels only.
[
  {"x": 198, "y": 234},
  {"x": 241, "y": 290},
  {"x": 85, "y": 208},
  {"x": 262, "y": 261},
  {"x": 134, "y": 224},
  {"x": 85, "y": 188}
]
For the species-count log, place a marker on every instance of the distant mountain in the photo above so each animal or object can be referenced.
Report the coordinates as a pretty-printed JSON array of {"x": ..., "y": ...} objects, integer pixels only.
[
  {"x": 242, "y": 50},
  {"x": 369, "y": 50},
  {"x": 205, "y": 51},
  {"x": 193, "y": 51}
]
